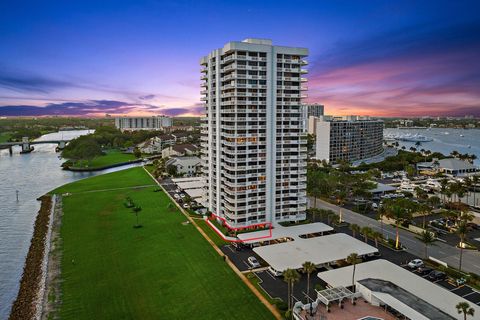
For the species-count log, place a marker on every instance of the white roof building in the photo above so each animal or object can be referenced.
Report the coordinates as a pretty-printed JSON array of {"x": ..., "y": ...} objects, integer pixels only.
[
  {"x": 384, "y": 283},
  {"x": 280, "y": 232},
  {"x": 320, "y": 250}
]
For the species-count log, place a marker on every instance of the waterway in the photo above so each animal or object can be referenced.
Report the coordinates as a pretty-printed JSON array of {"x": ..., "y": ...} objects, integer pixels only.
[
  {"x": 33, "y": 175},
  {"x": 445, "y": 140}
]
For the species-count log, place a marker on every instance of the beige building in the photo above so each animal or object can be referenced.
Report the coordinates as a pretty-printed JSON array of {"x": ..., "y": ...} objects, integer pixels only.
[
  {"x": 142, "y": 123},
  {"x": 348, "y": 138}
]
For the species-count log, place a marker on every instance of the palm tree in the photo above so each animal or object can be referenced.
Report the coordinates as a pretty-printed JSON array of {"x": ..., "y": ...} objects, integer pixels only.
[
  {"x": 425, "y": 210},
  {"x": 428, "y": 239},
  {"x": 290, "y": 276},
  {"x": 366, "y": 231},
  {"x": 462, "y": 233},
  {"x": 376, "y": 236},
  {"x": 434, "y": 201},
  {"x": 355, "y": 228},
  {"x": 136, "y": 210},
  {"x": 353, "y": 259},
  {"x": 397, "y": 213},
  {"x": 308, "y": 268},
  {"x": 464, "y": 307},
  {"x": 474, "y": 182},
  {"x": 443, "y": 188},
  {"x": 467, "y": 185},
  {"x": 382, "y": 211}
]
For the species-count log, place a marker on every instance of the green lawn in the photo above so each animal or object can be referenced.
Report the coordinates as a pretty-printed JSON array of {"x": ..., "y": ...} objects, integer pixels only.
[
  {"x": 4, "y": 136},
  {"x": 110, "y": 157},
  {"x": 164, "y": 270}
]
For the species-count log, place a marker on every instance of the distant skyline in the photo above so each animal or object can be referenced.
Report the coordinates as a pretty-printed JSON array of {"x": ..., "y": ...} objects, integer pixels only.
[{"x": 378, "y": 58}]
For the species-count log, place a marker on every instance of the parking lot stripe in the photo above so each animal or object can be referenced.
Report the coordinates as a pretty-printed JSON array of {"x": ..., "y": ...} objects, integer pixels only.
[{"x": 469, "y": 294}]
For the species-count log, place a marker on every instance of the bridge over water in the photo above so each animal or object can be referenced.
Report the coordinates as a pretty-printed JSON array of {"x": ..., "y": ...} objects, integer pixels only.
[{"x": 26, "y": 144}]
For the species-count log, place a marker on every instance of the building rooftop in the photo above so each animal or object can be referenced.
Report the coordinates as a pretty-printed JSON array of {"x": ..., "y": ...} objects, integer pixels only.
[
  {"x": 381, "y": 187},
  {"x": 432, "y": 294},
  {"x": 319, "y": 250},
  {"x": 185, "y": 147},
  {"x": 284, "y": 232},
  {"x": 258, "y": 41},
  {"x": 455, "y": 164},
  {"x": 403, "y": 301}
]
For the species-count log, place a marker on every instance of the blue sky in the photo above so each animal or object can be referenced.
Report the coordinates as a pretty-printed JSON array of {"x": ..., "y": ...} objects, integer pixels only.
[{"x": 377, "y": 57}]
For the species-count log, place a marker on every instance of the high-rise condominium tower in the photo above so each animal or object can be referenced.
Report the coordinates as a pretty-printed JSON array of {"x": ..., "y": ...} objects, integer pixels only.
[{"x": 253, "y": 142}]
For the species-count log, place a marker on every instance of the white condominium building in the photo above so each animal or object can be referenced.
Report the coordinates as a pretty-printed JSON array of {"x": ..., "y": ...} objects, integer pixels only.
[
  {"x": 253, "y": 144},
  {"x": 142, "y": 123},
  {"x": 349, "y": 138}
]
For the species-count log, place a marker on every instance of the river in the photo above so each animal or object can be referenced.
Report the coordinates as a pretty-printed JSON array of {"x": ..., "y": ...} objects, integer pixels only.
[
  {"x": 33, "y": 175},
  {"x": 445, "y": 140}
]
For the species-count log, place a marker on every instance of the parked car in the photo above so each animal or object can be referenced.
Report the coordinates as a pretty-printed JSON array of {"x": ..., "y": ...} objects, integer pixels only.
[
  {"x": 437, "y": 275},
  {"x": 274, "y": 272},
  {"x": 253, "y": 262},
  {"x": 182, "y": 195},
  {"x": 415, "y": 263},
  {"x": 186, "y": 206},
  {"x": 424, "y": 270},
  {"x": 374, "y": 206},
  {"x": 238, "y": 246},
  {"x": 176, "y": 196}
]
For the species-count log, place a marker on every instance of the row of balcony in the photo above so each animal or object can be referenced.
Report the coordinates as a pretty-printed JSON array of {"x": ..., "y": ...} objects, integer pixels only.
[{"x": 242, "y": 57}]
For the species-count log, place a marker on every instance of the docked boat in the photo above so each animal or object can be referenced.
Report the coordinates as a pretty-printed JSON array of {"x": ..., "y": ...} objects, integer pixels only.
[
  {"x": 406, "y": 186},
  {"x": 413, "y": 138},
  {"x": 433, "y": 184}
]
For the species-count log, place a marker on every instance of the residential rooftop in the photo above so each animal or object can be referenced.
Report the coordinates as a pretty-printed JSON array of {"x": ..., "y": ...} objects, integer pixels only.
[{"x": 430, "y": 293}]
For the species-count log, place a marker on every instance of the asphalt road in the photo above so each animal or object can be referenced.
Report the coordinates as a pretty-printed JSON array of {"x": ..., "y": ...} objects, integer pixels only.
[{"x": 440, "y": 250}]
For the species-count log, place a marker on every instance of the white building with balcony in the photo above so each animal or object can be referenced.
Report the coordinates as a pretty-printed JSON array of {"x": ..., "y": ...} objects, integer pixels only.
[
  {"x": 253, "y": 140},
  {"x": 142, "y": 123}
]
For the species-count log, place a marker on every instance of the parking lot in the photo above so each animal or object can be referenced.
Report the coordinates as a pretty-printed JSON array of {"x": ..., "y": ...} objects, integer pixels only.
[
  {"x": 463, "y": 291},
  {"x": 276, "y": 287}
]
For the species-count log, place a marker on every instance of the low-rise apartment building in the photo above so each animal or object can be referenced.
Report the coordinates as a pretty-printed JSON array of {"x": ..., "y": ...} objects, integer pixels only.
[{"x": 142, "y": 123}]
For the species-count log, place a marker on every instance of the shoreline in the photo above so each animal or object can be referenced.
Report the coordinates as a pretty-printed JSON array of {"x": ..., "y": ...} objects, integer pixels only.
[
  {"x": 30, "y": 293},
  {"x": 77, "y": 169}
]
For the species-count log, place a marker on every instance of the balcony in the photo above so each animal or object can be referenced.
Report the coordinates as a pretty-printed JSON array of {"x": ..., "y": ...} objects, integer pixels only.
[
  {"x": 303, "y": 71},
  {"x": 204, "y": 77}
]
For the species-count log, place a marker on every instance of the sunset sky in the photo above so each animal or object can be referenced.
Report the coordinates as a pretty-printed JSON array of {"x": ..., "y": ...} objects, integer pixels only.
[{"x": 379, "y": 58}]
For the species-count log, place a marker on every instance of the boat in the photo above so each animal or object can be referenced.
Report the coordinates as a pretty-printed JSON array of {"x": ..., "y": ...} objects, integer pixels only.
[
  {"x": 433, "y": 184},
  {"x": 462, "y": 135},
  {"x": 406, "y": 186},
  {"x": 413, "y": 138},
  {"x": 446, "y": 132}
]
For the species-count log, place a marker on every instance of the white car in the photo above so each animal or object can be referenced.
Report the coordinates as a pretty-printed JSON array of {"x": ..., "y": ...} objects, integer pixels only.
[
  {"x": 415, "y": 263},
  {"x": 253, "y": 262},
  {"x": 274, "y": 272},
  {"x": 182, "y": 195},
  {"x": 176, "y": 196},
  {"x": 186, "y": 206}
]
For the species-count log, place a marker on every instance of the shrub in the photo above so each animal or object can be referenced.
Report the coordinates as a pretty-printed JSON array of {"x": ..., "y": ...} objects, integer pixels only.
[{"x": 281, "y": 305}]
